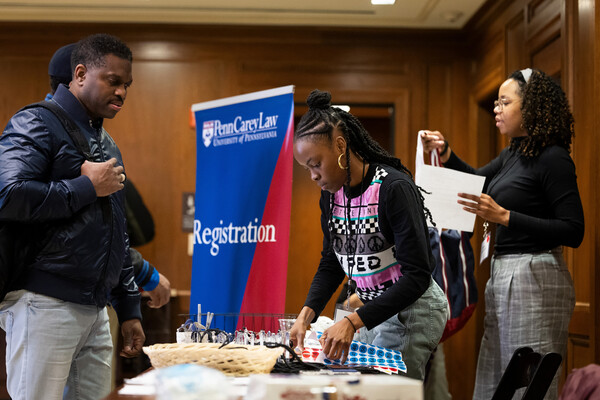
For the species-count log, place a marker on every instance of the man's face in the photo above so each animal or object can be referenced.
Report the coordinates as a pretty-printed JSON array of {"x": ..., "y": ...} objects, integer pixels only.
[{"x": 102, "y": 90}]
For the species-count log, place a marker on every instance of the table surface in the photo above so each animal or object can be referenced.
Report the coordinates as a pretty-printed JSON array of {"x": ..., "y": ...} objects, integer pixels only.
[
  {"x": 233, "y": 394},
  {"x": 114, "y": 395}
]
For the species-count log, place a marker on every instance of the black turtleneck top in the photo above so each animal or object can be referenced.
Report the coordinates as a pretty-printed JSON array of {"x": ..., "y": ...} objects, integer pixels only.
[{"x": 541, "y": 194}]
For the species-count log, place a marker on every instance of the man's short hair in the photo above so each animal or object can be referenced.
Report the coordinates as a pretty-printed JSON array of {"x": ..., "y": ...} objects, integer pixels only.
[{"x": 92, "y": 50}]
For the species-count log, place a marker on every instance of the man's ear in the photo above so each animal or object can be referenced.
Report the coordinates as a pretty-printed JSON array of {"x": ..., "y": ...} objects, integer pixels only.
[{"x": 80, "y": 73}]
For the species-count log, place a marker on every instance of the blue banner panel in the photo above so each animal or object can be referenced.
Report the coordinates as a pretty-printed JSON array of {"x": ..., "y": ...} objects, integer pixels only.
[{"x": 242, "y": 143}]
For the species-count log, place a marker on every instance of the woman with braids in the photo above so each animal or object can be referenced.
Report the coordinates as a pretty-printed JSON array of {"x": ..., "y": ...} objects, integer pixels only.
[
  {"x": 374, "y": 228},
  {"x": 531, "y": 194}
]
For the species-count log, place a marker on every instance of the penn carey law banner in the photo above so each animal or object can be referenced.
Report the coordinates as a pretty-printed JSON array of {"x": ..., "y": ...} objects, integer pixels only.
[{"x": 243, "y": 202}]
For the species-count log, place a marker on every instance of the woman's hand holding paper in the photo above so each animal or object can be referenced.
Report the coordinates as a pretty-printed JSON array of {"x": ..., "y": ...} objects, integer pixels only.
[{"x": 485, "y": 207}]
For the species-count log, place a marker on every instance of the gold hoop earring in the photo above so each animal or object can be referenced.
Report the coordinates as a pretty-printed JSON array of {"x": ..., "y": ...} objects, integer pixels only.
[{"x": 340, "y": 162}]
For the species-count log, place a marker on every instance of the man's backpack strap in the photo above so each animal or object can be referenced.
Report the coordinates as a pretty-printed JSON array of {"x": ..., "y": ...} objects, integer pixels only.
[
  {"x": 74, "y": 132},
  {"x": 78, "y": 139}
]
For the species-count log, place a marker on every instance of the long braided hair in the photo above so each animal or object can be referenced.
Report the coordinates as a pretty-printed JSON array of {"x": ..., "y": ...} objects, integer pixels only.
[
  {"x": 546, "y": 114},
  {"x": 321, "y": 119}
]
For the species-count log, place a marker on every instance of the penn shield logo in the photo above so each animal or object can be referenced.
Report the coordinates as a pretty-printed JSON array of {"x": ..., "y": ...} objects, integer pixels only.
[{"x": 208, "y": 131}]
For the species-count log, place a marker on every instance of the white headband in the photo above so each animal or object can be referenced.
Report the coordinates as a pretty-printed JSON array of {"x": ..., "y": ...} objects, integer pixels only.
[{"x": 526, "y": 74}]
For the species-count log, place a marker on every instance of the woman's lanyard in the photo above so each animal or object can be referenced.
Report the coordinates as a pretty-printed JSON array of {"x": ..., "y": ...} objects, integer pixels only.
[{"x": 349, "y": 247}]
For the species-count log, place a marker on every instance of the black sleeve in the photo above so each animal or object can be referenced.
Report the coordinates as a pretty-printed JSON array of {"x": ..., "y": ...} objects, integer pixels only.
[
  {"x": 402, "y": 218},
  {"x": 137, "y": 260},
  {"x": 559, "y": 184},
  {"x": 488, "y": 170},
  {"x": 125, "y": 297},
  {"x": 330, "y": 274},
  {"x": 26, "y": 192}
]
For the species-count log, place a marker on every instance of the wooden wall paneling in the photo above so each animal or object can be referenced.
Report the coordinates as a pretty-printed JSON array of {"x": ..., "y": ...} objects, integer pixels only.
[
  {"x": 546, "y": 47},
  {"x": 490, "y": 65},
  {"x": 498, "y": 34},
  {"x": 583, "y": 330},
  {"x": 411, "y": 115},
  {"x": 464, "y": 141},
  {"x": 579, "y": 353},
  {"x": 491, "y": 16},
  {"x": 24, "y": 80},
  {"x": 541, "y": 13},
  {"x": 516, "y": 57},
  {"x": 583, "y": 43},
  {"x": 306, "y": 240},
  {"x": 439, "y": 97},
  {"x": 545, "y": 58},
  {"x": 402, "y": 117},
  {"x": 544, "y": 41},
  {"x": 489, "y": 70},
  {"x": 592, "y": 15},
  {"x": 495, "y": 34}
]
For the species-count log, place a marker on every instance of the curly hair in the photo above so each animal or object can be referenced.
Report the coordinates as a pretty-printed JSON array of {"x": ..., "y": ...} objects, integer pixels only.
[
  {"x": 91, "y": 51},
  {"x": 546, "y": 114}
]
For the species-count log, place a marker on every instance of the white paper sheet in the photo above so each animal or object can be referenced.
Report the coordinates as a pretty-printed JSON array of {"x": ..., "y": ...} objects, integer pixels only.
[{"x": 444, "y": 185}]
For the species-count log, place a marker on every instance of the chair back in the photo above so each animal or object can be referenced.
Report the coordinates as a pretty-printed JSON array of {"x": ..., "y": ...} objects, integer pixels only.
[{"x": 530, "y": 370}]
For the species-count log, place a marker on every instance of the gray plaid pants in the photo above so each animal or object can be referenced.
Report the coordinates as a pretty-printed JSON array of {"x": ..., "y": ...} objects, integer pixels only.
[{"x": 529, "y": 300}]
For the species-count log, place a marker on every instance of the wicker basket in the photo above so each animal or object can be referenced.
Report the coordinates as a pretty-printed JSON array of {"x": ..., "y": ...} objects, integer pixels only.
[{"x": 232, "y": 359}]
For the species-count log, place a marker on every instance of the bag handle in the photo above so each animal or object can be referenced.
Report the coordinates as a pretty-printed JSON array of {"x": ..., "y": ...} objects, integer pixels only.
[
  {"x": 420, "y": 159},
  {"x": 420, "y": 162}
]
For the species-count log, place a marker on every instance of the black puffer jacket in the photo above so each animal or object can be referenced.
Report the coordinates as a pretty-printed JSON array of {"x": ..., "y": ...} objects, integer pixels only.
[{"x": 77, "y": 242}]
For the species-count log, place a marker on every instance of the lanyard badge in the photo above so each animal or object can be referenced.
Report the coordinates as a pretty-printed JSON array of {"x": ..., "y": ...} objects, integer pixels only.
[{"x": 485, "y": 244}]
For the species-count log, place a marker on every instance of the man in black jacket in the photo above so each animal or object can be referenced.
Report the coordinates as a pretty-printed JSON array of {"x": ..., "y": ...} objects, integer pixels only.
[
  {"x": 57, "y": 331},
  {"x": 140, "y": 226}
]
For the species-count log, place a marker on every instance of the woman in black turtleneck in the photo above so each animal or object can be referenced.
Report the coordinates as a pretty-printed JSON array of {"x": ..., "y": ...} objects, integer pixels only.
[{"x": 531, "y": 194}]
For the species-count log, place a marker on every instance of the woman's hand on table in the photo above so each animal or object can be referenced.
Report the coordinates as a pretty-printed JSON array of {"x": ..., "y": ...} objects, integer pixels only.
[
  {"x": 336, "y": 340},
  {"x": 298, "y": 330}
]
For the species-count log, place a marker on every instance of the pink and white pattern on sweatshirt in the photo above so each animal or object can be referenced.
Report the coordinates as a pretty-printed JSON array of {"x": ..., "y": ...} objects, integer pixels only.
[{"x": 362, "y": 250}]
